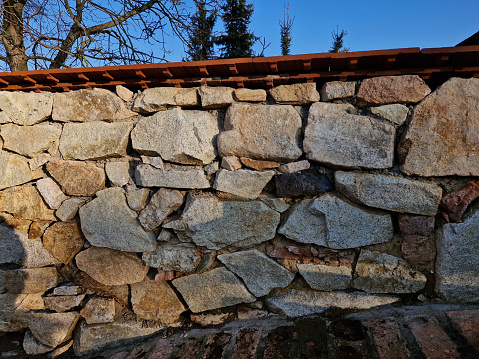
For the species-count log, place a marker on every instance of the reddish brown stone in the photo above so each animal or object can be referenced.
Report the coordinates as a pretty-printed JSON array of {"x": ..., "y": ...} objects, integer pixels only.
[
  {"x": 207, "y": 319},
  {"x": 215, "y": 345},
  {"x": 259, "y": 165},
  {"x": 419, "y": 251},
  {"x": 37, "y": 228},
  {"x": 278, "y": 343},
  {"x": 190, "y": 349},
  {"x": 468, "y": 323},
  {"x": 389, "y": 341},
  {"x": 456, "y": 202},
  {"x": 247, "y": 341},
  {"x": 418, "y": 225},
  {"x": 63, "y": 240}
]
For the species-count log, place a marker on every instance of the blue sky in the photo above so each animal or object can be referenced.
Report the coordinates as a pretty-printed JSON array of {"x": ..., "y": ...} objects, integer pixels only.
[{"x": 371, "y": 25}]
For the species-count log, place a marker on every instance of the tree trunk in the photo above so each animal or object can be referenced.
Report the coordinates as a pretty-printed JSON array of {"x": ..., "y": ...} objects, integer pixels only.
[{"x": 12, "y": 34}]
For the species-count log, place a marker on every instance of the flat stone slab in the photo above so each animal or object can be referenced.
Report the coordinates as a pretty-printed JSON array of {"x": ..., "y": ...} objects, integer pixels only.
[
  {"x": 52, "y": 329},
  {"x": 118, "y": 173},
  {"x": 186, "y": 178},
  {"x": 15, "y": 170},
  {"x": 242, "y": 183},
  {"x": 161, "y": 98},
  {"x": 63, "y": 240},
  {"x": 63, "y": 303},
  {"x": 25, "y": 202},
  {"x": 248, "y": 95},
  {"x": 26, "y": 108},
  {"x": 260, "y": 273},
  {"x": 99, "y": 310},
  {"x": 214, "y": 289},
  {"x": 296, "y": 94},
  {"x": 187, "y": 137},
  {"x": 35, "y": 280},
  {"x": 180, "y": 257},
  {"x": 69, "y": 208},
  {"x": 326, "y": 277},
  {"x": 389, "y": 192},
  {"x": 335, "y": 90},
  {"x": 295, "y": 303},
  {"x": 107, "y": 221},
  {"x": 30, "y": 140},
  {"x": 215, "y": 97},
  {"x": 396, "y": 113},
  {"x": 337, "y": 137},
  {"x": 216, "y": 224},
  {"x": 51, "y": 192},
  {"x": 457, "y": 263},
  {"x": 442, "y": 138},
  {"x": 262, "y": 132},
  {"x": 383, "y": 273}
]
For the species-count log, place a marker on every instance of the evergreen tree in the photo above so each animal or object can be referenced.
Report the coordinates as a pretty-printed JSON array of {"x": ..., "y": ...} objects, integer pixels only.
[
  {"x": 200, "y": 43},
  {"x": 237, "y": 41},
  {"x": 338, "y": 44},
  {"x": 285, "y": 26}
]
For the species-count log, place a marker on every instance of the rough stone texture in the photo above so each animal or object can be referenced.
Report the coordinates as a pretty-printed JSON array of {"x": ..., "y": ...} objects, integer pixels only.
[
  {"x": 138, "y": 198},
  {"x": 248, "y": 95},
  {"x": 215, "y": 289},
  {"x": 26, "y": 108},
  {"x": 77, "y": 178},
  {"x": 51, "y": 193},
  {"x": 296, "y": 94},
  {"x": 107, "y": 221},
  {"x": 294, "y": 166},
  {"x": 99, "y": 310},
  {"x": 415, "y": 225},
  {"x": 455, "y": 203},
  {"x": 187, "y": 137},
  {"x": 336, "y": 90},
  {"x": 37, "y": 280},
  {"x": 173, "y": 257},
  {"x": 123, "y": 93},
  {"x": 216, "y": 224},
  {"x": 26, "y": 203},
  {"x": 457, "y": 263},
  {"x": 242, "y": 183},
  {"x": 467, "y": 321},
  {"x": 326, "y": 277},
  {"x": 384, "y": 90},
  {"x": 160, "y": 98},
  {"x": 14, "y": 170},
  {"x": 296, "y": 303},
  {"x": 396, "y": 113},
  {"x": 4, "y": 118},
  {"x": 52, "y": 329},
  {"x": 260, "y": 273},
  {"x": 382, "y": 273},
  {"x": 63, "y": 303},
  {"x": 301, "y": 184},
  {"x": 154, "y": 161},
  {"x": 334, "y": 223},
  {"x": 259, "y": 165},
  {"x": 216, "y": 97},
  {"x": 263, "y": 132},
  {"x": 389, "y": 341},
  {"x": 34, "y": 347},
  {"x": 95, "y": 140},
  {"x": 63, "y": 240},
  {"x": 69, "y": 208},
  {"x": 89, "y": 105},
  {"x": 188, "y": 177},
  {"x": 162, "y": 203},
  {"x": 118, "y": 173},
  {"x": 337, "y": 137},
  {"x": 212, "y": 168},
  {"x": 230, "y": 163},
  {"x": 152, "y": 300},
  {"x": 208, "y": 319},
  {"x": 30, "y": 140},
  {"x": 391, "y": 193},
  {"x": 443, "y": 136},
  {"x": 40, "y": 159},
  {"x": 111, "y": 267},
  {"x": 278, "y": 204},
  {"x": 67, "y": 289},
  {"x": 419, "y": 251}
]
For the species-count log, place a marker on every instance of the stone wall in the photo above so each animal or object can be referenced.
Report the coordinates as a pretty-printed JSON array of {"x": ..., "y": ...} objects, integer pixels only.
[{"x": 124, "y": 213}]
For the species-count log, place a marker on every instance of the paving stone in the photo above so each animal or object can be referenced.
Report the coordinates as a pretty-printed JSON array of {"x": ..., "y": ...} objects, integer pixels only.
[
  {"x": 217, "y": 288},
  {"x": 180, "y": 257},
  {"x": 152, "y": 300},
  {"x": 326, "y": 277},
  {"x": 186, "y": 137},
  {"x": 313, "y": 338},
  {"x": 441, "y": 139},
  {"x": 35, "y": 280},
  {"x": 384, "y": 90},
  {"x": 248, "y": 95},
  {"x": 389, "y": 341},
  {"x": 468, "y": 322},
  {"x": 161, "y": 98},
  {"x": 216, "y": 97},
  {"x": 322, "y": 222},
  {"x": 335, "y": 90},
  {"x": 16, "y": 171},
  {"x": 457, "y": 270},
  {"x": 215, "y": 224},
  {"x": 337, "y": 137},
  {"x": 190, "y": 349},
  {"x": 457, "y": 202},
  {"x": 107, "y": 221},
  {"x": 247, "y": 342},
  {"x": 301, "y": 184},
  {"x": 415, "y": 225},
  {"x": 231, "y": 163},
  {"x": 242, "y": 183},
  {"x": 111, "y": 267},
  {"x": 63, "y": 303},
  {"x": 296, "y": 303},
  {"x": 63, "y": 240},
  {"x": 77, "y": 178},
  {"x": 69, "y": 208},
  {"x": 396, "y": 113},
  {"x": 383, "y": 273},
  {"x": 26, "y": 108},
  {"x": 33, "y": 346},
  {"x": 95, "y": 140},
  {"x": 388, "y": 192},
  {"x": 215, "y": 345},
  {"x": 259, "y": 165},
  {"x": 30, "y": 140},
  {"x": 261, "y": 132},
  {"x": 51, "y": 193},
  {"x": 88, "y": 106},
  {"x": 187, "y": 178},
  {"x": 99, "y": 310},
  {"x": 123, "y": 93},
  {"x": 278, "y": 343},
  {"x": 296, "y": 94},
  {"x": 260, "y": 273},
  {"x": 138, "y": 198},
  {"x": 294, "y": 166},
  {"x": 118, "y": 173},
  {"x": 161, "y": 205}
]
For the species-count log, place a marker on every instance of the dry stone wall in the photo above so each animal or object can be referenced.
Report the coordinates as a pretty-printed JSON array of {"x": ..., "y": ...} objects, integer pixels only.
[{"x": 124, "y": 213}]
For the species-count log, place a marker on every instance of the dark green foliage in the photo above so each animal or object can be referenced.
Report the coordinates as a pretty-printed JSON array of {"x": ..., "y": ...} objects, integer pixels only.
[
  {"x": 286, "y": 26},
  {"x": 200, "y": 37},
  {"x": 338, "y": 44},
  {"x": 237, "y": 40}
]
